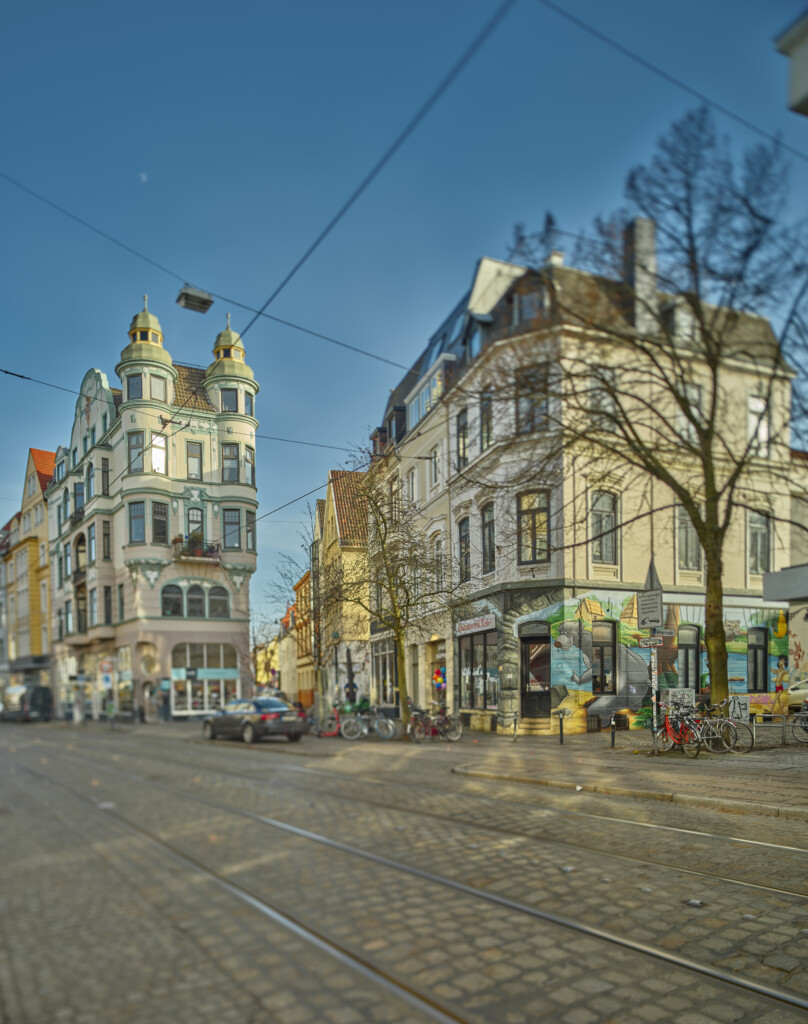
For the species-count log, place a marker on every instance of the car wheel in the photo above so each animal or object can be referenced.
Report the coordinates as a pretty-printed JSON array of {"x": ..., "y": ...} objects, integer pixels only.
[
  {"x": 248, "y": 734},
  {"x": 207, "y": 731},
  {"x": 294, "y": 737}
]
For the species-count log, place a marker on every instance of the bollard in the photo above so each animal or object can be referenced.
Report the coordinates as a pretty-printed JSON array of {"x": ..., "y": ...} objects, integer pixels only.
[
  {"x": 561, "y": 728},
  {"x": 613, "y": 730},
  {"x": 784, "y": 730}
]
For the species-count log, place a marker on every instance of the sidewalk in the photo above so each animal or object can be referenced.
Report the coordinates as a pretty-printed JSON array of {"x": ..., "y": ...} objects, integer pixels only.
[{"x": 772, "y": 781}]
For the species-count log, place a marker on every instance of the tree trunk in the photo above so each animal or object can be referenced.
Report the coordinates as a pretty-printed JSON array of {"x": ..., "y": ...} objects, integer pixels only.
[
  {"x": 714, "y": 635},
  {"x": 401, "y": 667}
]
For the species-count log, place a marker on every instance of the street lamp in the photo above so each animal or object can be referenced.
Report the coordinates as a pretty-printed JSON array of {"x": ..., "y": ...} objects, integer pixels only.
[{"x": 194, "y": 299}]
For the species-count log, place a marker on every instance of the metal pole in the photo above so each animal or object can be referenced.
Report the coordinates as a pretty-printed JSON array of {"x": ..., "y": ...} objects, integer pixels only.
[
  {"x": 561, "y": 727},
  {"x": 654, "y": 696},
  {"x": 613, "y": 730}
]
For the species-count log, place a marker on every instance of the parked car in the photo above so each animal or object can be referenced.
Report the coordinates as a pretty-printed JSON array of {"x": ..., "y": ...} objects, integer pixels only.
[
  {"x": 252, "y": 720},
  {"x": 27, "y": 704},
  {"x": 798, "y": 691}
]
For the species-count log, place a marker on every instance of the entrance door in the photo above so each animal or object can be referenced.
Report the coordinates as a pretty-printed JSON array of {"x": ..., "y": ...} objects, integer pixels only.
[{"x": 535, "y": 671}]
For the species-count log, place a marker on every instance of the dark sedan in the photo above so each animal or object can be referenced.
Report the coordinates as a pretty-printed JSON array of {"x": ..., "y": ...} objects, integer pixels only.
[{"x": 252, "y": 720}]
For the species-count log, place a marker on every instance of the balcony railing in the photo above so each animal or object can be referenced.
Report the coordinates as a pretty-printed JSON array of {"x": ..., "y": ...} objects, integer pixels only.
[
  {"x": 77, "y": 516},
  {"x": 79, "y": 576},
  {"x": 195, "y": 549}
]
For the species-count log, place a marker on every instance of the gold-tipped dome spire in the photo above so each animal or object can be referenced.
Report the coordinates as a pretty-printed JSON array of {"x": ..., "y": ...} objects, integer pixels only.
[
  {"x": 228, "y": 344},
  {"x": 145, "y": 327}
]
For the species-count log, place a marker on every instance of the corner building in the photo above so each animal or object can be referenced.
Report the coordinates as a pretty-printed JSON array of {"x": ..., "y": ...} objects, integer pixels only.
[{"x": 152, "y": 512}]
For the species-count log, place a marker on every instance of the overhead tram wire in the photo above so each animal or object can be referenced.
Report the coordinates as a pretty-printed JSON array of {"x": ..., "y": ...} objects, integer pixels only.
[
  {"x": 672, "y": 79},
  {"x": 408, "y": 129},
  {"x": 390, "y": 152}
]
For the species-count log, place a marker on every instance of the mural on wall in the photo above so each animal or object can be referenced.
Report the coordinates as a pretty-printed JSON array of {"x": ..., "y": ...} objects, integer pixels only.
[{"x": 587, "y": 667}]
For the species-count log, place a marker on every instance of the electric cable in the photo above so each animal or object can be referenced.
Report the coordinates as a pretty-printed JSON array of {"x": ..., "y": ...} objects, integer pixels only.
[
  {"x": 672, "y": 79},
  {"x": 397, "y": 143}
]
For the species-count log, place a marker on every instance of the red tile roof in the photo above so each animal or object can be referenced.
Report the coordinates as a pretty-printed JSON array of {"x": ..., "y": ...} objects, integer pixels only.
[
  {"x": 44, "y": 463},
  {"x": 350, "y": 504}
]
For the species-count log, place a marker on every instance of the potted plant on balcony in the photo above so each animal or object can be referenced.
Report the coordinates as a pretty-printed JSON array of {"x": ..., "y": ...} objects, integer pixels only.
[{"x": 196, "y": 544}]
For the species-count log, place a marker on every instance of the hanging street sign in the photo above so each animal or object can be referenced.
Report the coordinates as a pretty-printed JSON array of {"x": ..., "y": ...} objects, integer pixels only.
[
  {"x": 649, "y": 609},
  {"x": 651, "y": 641}
]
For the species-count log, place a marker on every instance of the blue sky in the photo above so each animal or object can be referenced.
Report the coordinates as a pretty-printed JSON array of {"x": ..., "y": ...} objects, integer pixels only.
[{"x": 220, "y": 138}]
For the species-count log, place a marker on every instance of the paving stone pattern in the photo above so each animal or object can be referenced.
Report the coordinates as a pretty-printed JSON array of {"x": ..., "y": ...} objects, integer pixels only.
[{"x": 486, "y": 962}]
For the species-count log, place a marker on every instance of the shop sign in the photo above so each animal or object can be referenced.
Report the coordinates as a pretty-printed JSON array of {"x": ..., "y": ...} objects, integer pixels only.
[
  {"x": 165, "y": 685},
  {"x": 191, "y": 674},
  {"x": 440, "y": 651},
  {"x": 478, "y": 625}
]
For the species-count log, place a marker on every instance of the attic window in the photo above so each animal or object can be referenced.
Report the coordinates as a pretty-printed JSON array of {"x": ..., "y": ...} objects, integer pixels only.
[
  {"x": 143, "y": 335},
  {"x": 154, "y": 337},
  {"x": 225, "y": 353}
]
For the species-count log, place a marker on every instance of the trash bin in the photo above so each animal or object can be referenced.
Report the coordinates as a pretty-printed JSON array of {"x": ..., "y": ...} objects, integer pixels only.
[{"x": 593, "y": 723}]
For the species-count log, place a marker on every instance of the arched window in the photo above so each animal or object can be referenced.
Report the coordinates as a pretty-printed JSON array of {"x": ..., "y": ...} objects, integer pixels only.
[
  {"x": 219, "y": 603},
  {"x": 172, "y": 602},
  {"x": 196, "y": 603}
]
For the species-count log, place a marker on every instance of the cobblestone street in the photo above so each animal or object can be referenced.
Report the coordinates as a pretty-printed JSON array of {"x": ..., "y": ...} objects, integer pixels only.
[{"x": 150, "y": 876}]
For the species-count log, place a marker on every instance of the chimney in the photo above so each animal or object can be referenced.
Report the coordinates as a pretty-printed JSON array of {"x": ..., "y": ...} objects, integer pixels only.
[{"x": 640, "y": 272}]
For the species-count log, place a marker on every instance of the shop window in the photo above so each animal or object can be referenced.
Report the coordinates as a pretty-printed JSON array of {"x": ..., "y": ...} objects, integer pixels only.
[
  {"x": 688, "y": 639},
  {"x": 385, "y": 672},
  {"x": 172, "y": 602},
  {"x": 479, "y": 672},
  {"x": 603, "y": 657},
  {"x": 757, "y": 660},
  {"x": 195, "y": 602}
]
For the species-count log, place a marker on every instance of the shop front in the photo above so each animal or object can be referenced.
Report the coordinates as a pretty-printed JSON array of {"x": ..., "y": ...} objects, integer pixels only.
[
  {"x": 477, "y": 693},
  {"x": 204, "y": 677}
]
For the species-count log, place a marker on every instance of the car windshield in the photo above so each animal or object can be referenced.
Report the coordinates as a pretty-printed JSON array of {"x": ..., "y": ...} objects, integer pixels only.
[{"x": 271, "y": 704}]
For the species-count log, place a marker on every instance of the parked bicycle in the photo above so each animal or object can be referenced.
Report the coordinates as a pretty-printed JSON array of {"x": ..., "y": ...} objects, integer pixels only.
[
  {"x": 331, "y": 723},
  {"x": 362, "y": 723},
  {"x": 677, "y": 730},
  {"x": 435, "y": 725},
  {"x": 799, "y": 724}
]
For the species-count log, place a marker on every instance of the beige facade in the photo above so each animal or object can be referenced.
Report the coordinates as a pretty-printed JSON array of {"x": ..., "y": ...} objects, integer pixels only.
[
  {"x": 152, "y": 525},
  {"x": 27, "y": 594}
]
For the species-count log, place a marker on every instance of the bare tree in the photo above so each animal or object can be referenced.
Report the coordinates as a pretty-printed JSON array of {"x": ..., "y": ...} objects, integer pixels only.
[
  {"x": 402, "y": 580},
  {"x": 660, "y": 362}
]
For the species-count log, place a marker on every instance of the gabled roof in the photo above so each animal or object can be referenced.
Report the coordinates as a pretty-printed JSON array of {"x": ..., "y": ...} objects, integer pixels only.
[
  {"x": 117, "y": 397},
  {"x": 189, "y": 391},
  {"x": 350, "y": 505},
  {"x": 44, "y": 464}
]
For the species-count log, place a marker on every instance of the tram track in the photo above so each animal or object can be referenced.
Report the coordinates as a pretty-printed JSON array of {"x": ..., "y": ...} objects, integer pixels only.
[
  {"x": 501, "y": 829},
  {"x": 704, "y": 971}
]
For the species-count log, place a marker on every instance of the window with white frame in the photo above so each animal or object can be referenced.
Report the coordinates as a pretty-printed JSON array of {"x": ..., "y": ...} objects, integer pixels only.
[
  {"x": 488, "y": 548},
  {"x": 231, "y": 529},
  {"x": 757, "y": 425},
  {"x": 486, "y": 418},
  {"x": 158, "y": 388},
  {"x": 532, "y": 400},
  {"x": 759, "y": 543},
  {"x": 689, "y": 548},
  {"x": 412, "y": 488},
  {"x": 158, "y": 454},
  {"x": 434, "y": 466},
  {"x": 464, "y": 549},
  {"x": 135, "y": 451},
  {"x": 603, "y": 519},
  {"x": 533, "y": 527}
]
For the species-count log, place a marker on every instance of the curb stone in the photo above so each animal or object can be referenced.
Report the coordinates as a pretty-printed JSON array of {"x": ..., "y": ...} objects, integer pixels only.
[{"x": 726, "y": 804}]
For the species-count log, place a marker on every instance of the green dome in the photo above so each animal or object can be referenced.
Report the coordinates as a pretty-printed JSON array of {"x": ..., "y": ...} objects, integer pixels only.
[
  {"x": 228, "y": 338},
  {"x": 144, "y": 320}
]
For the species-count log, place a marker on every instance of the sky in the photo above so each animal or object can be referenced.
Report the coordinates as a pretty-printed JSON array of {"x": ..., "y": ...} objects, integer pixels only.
[{"x": 220, "y": 139}]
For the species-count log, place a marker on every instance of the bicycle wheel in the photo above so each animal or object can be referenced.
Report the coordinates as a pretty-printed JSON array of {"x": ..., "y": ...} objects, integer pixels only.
[
  {"x": 350, "y": 728},
  {"x": 418, "y": 730},
  {"x": 744, "y": 738},
  {"x": 664, "y": 740},
  {"x": 452, "y": 729},
  {"x": 691, "y": 744},
  {"x": 330, "y": 726},
  {"x": 385, "y": 728},
  {"x": 719, "y": 737},
  {"x": 799, "y": 728}
]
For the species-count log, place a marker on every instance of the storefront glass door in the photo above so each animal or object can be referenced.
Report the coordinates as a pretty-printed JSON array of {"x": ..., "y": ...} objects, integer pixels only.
[{"x": 535, "y": 673}]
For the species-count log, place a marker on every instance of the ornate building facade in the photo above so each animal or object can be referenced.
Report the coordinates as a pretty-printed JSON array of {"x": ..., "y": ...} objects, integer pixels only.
[{"x": 152, "y": 529}]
